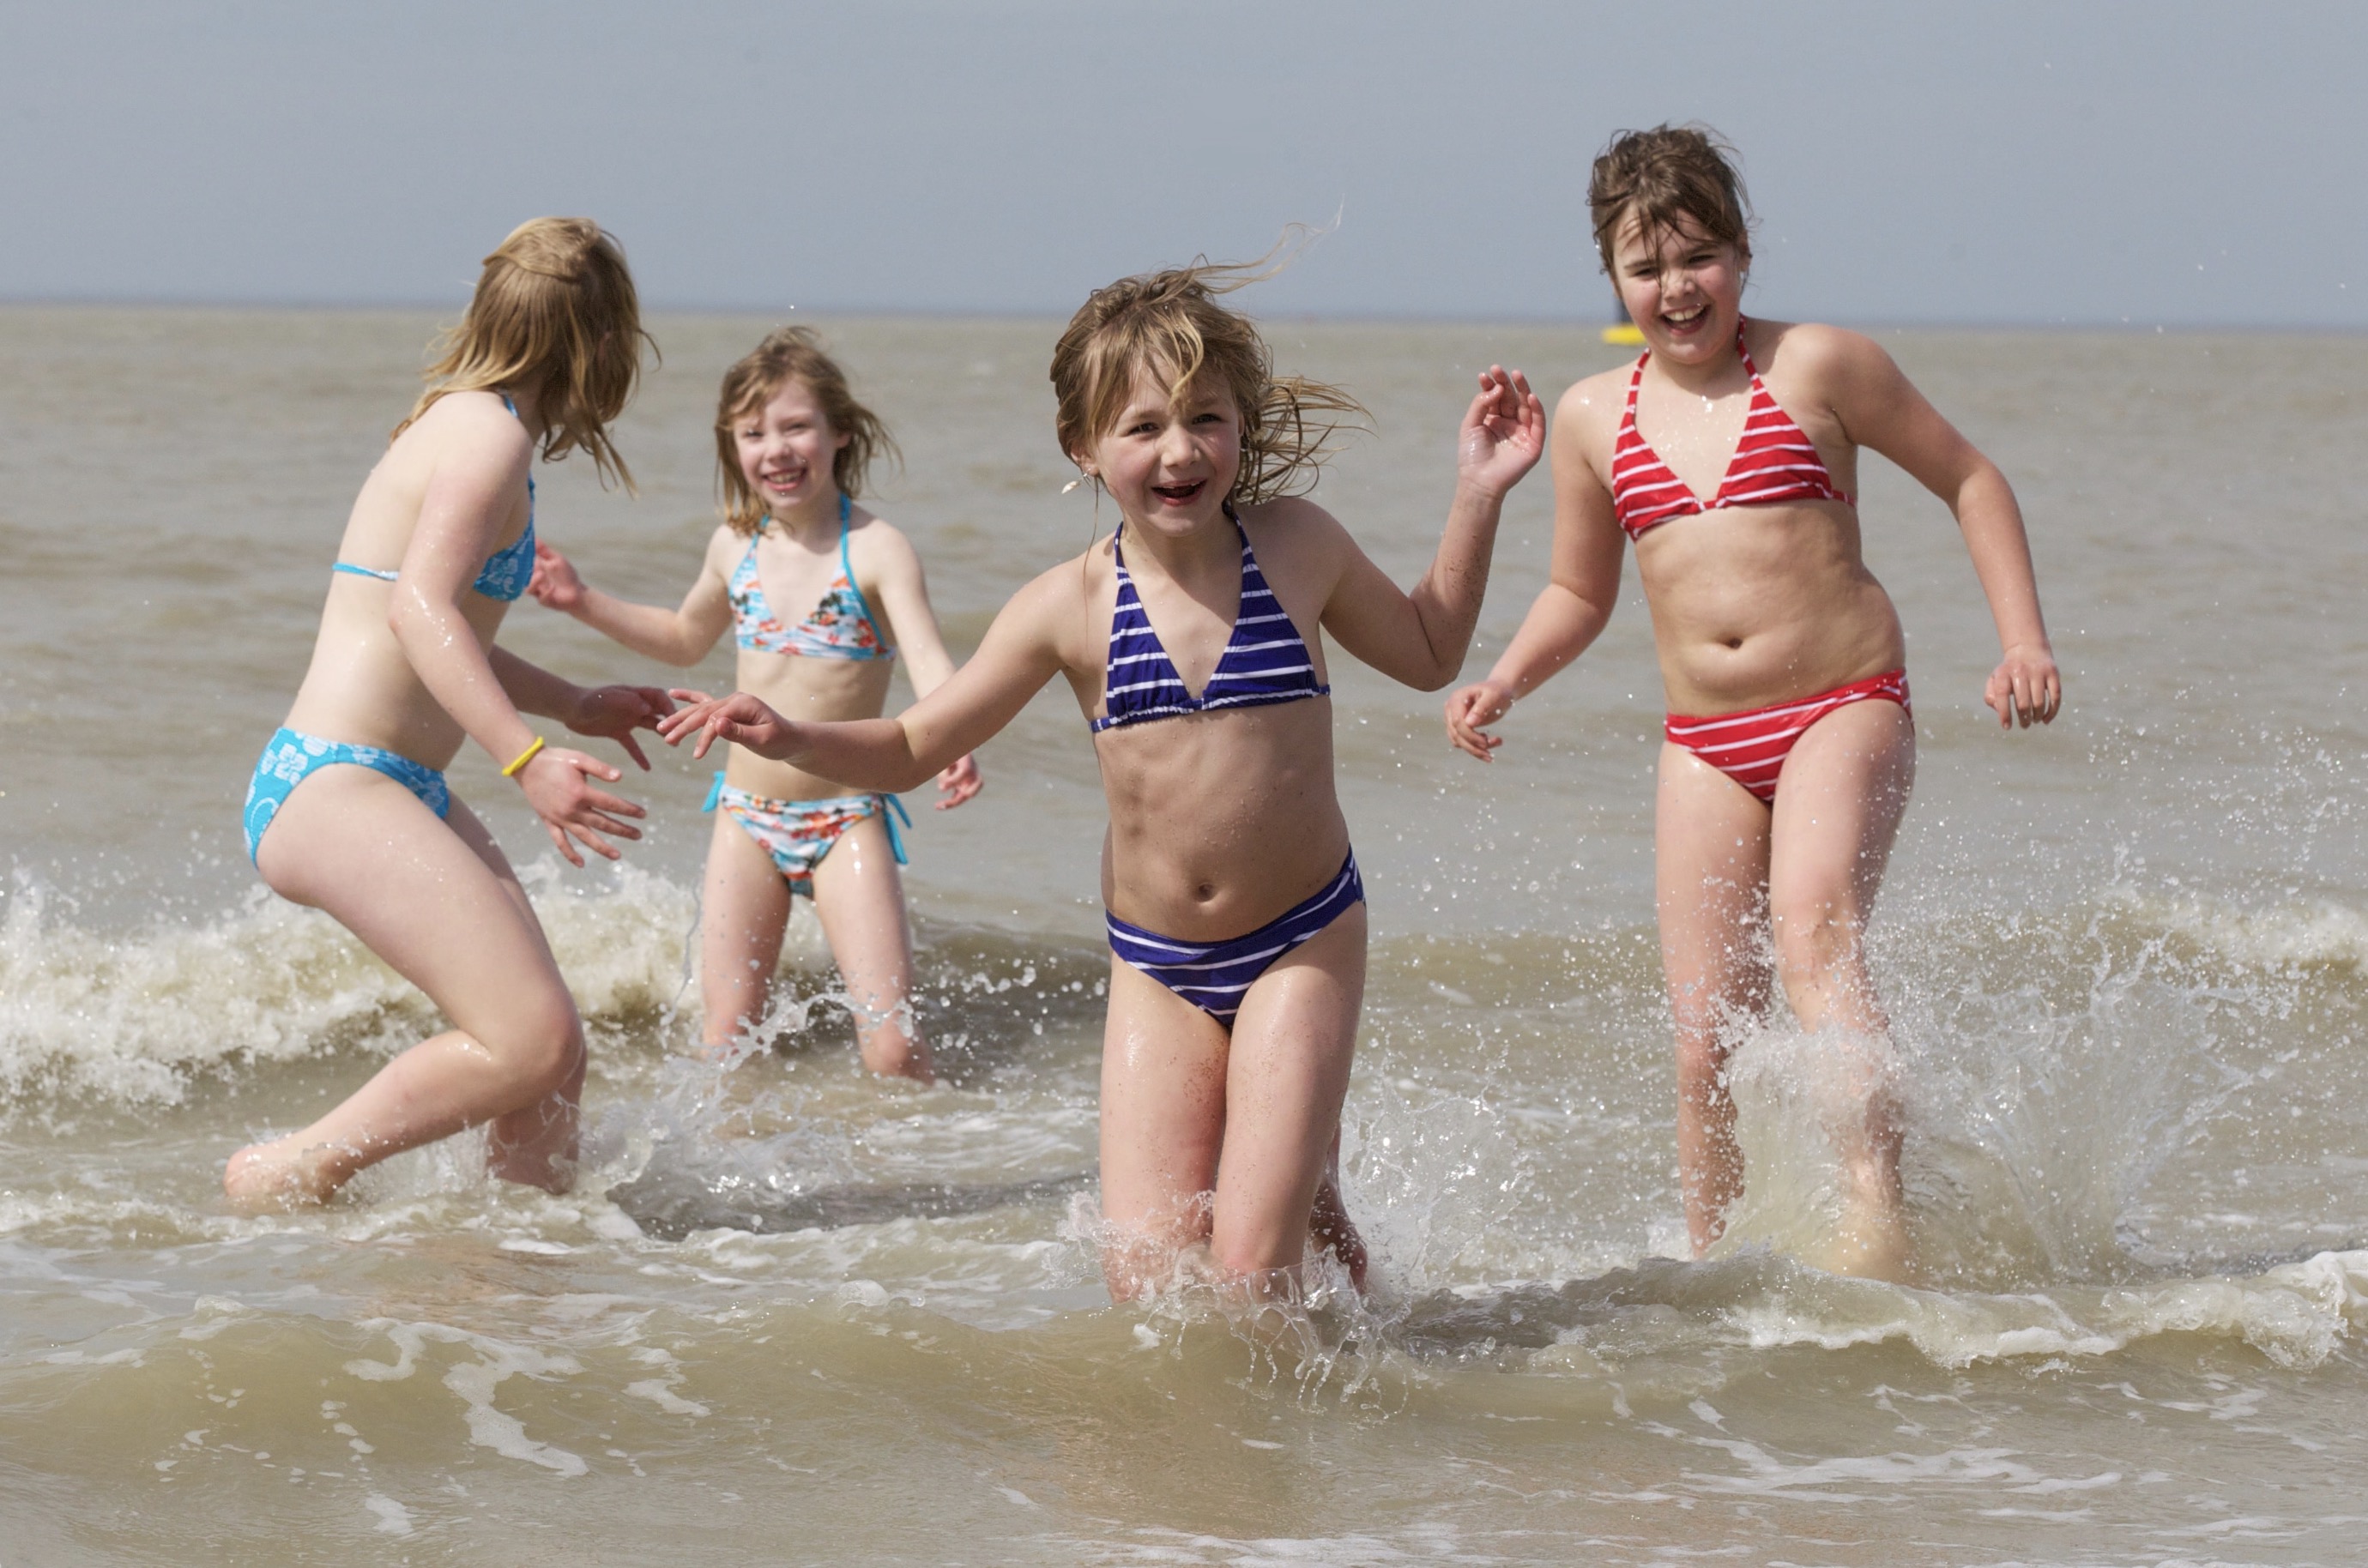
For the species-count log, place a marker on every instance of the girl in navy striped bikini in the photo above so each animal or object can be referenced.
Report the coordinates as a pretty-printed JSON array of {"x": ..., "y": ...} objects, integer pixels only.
[{"x": 1192, "y": 640}]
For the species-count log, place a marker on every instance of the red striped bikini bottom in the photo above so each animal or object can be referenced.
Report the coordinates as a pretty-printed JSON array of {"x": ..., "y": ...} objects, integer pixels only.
[{"x": 1751, "y": 746}]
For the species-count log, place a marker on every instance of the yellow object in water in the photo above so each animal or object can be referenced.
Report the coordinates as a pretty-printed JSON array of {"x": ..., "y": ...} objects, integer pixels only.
[{"x": 1627, "y": 335}]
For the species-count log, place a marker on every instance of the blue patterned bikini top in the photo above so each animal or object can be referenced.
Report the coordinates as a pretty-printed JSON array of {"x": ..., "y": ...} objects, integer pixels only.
[
  {"x": 841, "y": 626},
  {"x": 1264, "y": 659},
  {"x": 505, "y": 572}
]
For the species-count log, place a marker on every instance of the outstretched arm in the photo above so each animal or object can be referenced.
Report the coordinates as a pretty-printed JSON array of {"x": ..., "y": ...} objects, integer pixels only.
[
  {"x": 680, "y": 637},
  {"x": 1882, "y": 409},
  {"x": 1021, "y": 652},
  {"x": 1582, "y": 586},
  {"x": 904, "y": 595},
  {"x": 1421, "y": 637}
]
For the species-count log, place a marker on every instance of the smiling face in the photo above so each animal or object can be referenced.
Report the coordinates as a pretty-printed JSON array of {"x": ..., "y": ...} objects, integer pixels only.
[
  {"x": 786, "y": 445},
  {"x": 1683, "y": 288},
  {"x": 1169, "y": 463}
]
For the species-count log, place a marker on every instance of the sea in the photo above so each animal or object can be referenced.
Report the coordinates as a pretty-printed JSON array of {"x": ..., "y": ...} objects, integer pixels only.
[{"x": 790, "y": 1314}]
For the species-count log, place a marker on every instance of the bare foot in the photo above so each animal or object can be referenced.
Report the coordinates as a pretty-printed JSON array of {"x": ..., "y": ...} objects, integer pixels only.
[
  {"x": 281, "y": 1175},
  {"x": 1329, "y": 1227}
]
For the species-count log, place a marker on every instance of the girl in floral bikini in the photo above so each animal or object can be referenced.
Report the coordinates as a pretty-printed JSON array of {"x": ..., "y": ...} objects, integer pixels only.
[
  {"x": 794, "y": 447},
  {"x": 1728, "y": 454}
]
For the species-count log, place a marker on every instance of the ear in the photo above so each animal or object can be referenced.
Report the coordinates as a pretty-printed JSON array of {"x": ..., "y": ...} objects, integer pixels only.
[{"x": 839, "y": 442}]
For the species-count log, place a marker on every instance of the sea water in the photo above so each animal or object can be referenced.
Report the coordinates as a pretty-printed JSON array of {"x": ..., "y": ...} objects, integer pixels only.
[{"x": 792, "y": 1313}]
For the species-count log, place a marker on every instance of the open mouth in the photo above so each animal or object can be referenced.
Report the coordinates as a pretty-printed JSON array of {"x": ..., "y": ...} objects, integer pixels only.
[
  {"x": 1681, "y": 321},
  {"x": 1179, "y": 494}
]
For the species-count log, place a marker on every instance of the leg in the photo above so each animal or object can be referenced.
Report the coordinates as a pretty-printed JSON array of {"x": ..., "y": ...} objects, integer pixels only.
[
  {"x": 1163, "y": 1125},
  {"x": 1292, "y": 1044},
  {"x": 1710, "y": 864},
  {"x": 862, "y": 901},
  {"x": 1839, "y": 805},
  {"x": 442, "y": 907},
  {"x": 744, "y": 908}
]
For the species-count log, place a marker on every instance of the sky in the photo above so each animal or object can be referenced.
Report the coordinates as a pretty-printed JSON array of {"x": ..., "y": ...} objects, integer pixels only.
[{"x": 2175, "y": 163}]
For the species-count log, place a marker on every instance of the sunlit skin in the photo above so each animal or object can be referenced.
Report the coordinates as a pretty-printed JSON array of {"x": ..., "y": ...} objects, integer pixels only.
[
  {"x": 1219, "y": 822},
  {"x": 1753, "y": 606},
  {"x": 412, "y": 666},
  {"x": 785, "y": 447}
]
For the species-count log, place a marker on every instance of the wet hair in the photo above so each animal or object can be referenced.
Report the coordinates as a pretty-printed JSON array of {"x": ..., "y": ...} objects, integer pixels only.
[
  {"x": 1661, "y": 176},
  {"x": 1173, "y": 324},
  {"x": 554, "y": 314},
  {"x": 792, "y": 354}
]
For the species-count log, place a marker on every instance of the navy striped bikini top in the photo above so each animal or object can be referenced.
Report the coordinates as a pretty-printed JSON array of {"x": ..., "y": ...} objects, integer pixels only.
[{"x": 1265, "y": 660}]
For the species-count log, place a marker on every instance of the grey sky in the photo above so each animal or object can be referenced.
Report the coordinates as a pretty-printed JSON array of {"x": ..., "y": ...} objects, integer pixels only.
[{"x": 2020, "y": 161}]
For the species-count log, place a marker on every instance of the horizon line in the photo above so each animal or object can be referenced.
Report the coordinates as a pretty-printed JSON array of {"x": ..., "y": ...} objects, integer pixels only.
[{"x": 328, "y": 306}]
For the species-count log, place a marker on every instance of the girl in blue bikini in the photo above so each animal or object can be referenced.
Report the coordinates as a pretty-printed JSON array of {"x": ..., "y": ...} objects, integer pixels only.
[
  {"x": 794, "y": 447},
  {"x": 1192, "y": 643},
  {"x": 349, "y": 811}
]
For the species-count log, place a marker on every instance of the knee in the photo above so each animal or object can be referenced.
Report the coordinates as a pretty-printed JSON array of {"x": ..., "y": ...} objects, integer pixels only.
[
  {"x": 1815, "y": 931},
  {"x": 544, "y": 1051}
]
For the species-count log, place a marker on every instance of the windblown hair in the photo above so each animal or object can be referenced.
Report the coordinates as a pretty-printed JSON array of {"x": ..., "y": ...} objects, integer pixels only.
[
  {"x": 1663, "y": 176},
  {"x": 1173, "y": 324},
  {"x": 554, "y": 314},
  {"x": 792, "y": 354}
]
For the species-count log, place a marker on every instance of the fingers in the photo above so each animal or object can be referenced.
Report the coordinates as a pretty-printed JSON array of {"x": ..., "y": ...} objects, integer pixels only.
[
  {"x": 559, "y": 837},
  {"x": 684, "y": 694}
]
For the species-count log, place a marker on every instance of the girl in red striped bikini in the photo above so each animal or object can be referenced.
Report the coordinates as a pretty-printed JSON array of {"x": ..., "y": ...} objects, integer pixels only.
[{"x": 1728, "y": 453}]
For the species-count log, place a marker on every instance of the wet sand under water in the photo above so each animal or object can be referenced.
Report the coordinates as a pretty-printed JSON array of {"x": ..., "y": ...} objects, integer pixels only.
[{"x": 794, "y": 1315}]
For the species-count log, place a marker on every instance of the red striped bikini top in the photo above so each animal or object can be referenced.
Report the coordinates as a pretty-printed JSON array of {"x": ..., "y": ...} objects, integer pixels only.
[{"x": 1773, "y": 461}]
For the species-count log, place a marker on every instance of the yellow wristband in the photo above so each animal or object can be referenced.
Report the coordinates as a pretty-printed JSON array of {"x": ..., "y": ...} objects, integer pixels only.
[{"x": 523, "y": 758}]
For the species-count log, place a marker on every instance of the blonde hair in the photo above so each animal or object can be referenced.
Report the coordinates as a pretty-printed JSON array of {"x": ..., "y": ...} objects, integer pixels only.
[
  {"x": 554, "y": 314},
  {"x": 1662, "y": 175},
  {"x": 1172, "y": 323},
  {"x": 792, "y": 354}
]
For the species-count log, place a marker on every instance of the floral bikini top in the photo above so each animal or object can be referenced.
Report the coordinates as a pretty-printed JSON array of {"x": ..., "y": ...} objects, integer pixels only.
[{"x": 840, "y": 626}]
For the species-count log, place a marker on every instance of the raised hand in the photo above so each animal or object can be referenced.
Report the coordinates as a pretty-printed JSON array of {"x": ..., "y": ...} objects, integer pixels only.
[
  {"x": 554, "y": 584},
  {"x": 2025, "y": 687},
  {"x": 614, "y": 713},
  {"x": 1483, "y": 702},
  {"x": 739, "y": 718},
  {"x": 558, "y": 786},
  {"x": 1503, "y": 432},
  {"x": 958, "y": 782}
]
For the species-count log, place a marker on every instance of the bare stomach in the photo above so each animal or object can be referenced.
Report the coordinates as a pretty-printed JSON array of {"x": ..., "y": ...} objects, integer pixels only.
[
  {"x": 1759, "y": 605},
  {"x": 810, "y": 690},
  {"x": 1220, "y": 821}
]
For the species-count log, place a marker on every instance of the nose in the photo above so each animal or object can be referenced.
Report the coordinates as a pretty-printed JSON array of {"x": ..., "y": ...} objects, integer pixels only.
[{"x": 1176, "y": 444}]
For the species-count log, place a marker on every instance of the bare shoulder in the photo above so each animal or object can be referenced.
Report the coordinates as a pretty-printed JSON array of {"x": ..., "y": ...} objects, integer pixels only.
[
  {"x": 1596, "y": 401},
  {"x": 1292, "y": 526},
  {"x": 1818, "y": 355},
  {"x": 472, "y": 426},
  {"x": 879, "y": 545},
  {"x": 726, "y": 545}
]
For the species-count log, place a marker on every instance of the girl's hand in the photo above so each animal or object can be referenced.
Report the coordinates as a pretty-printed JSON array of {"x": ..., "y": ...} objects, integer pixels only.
[
  {"x": 554, "y": 584},
  {"x": 558, "y": 786},
  {"x": 2025, "y": 687},
  {"x": 1483, "y": 702},
  {"x": 1503, "y": 432},
  {"x": 958, "y": 782},
  {"x": 739, "y": 718},
  {"x": 614, "y": 713}
]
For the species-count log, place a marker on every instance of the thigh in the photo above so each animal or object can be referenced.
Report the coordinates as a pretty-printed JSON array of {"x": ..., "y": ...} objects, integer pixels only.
[
  {"x": 1163, "y": 1109},
  {"x": 432, "y": 896},
  {"x": 1839, "y": 805},
  {"x": 1710, "y": 853},
  {"x": 860, "y": 898},
  {"x": 744, "y": 909},
  {"x": 1294, "y": 1041}
]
